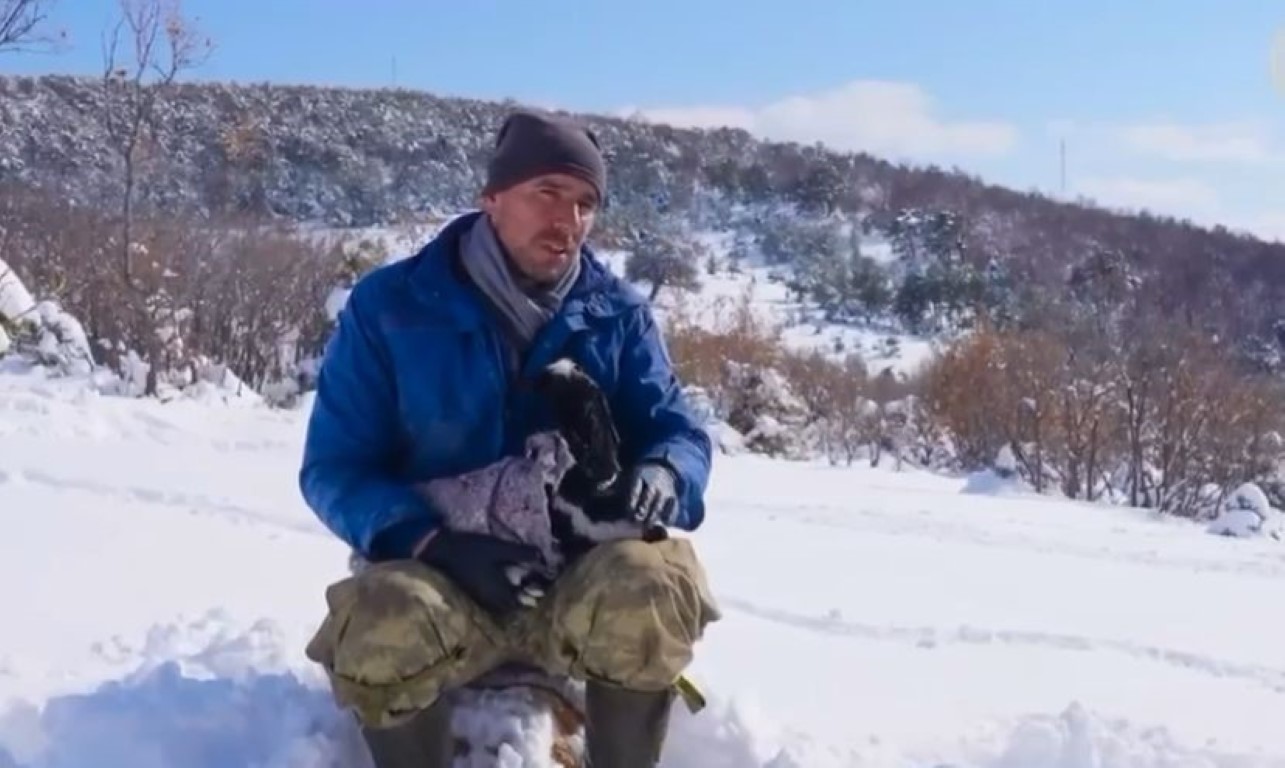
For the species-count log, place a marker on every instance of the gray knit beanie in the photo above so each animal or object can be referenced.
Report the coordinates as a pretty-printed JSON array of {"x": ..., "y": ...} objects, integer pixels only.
[{"x": 531, "y": 143}]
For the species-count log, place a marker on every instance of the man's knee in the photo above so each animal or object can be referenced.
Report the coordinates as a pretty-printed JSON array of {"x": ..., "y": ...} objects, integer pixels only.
[
  {"x": 395, "y": 637},
  {"x": 631, "y": 612}
]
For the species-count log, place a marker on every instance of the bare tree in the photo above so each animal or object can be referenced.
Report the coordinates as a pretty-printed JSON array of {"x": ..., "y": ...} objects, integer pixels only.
[
  {"x": 162, "y": 43},
  {"x": 834, "y": 395},
  {"x": 20, "y": 26},
  {"x": 1088, "y": 424},
  {"x": 146, "y": 50},
  {"x": 1034, "y": 373}
]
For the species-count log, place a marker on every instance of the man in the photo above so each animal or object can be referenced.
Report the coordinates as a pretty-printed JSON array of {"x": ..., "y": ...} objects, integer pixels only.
[{"x": 427, "y": 376}]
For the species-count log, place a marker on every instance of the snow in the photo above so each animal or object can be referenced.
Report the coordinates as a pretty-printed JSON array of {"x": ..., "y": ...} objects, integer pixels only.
[
  {"x": 61, "y": 339},
  {"x": 1247, "y": 512},
  {"x": 1001, "y": 478},
  {"x": 15, "y": 300},
  {"x": 161, "y": 578},
  {"x": 802, "y": 329}
]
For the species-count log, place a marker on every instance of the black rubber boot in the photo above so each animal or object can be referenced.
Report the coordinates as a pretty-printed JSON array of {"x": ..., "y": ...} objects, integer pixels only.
[
  {"x": 422, "y": 742},
  {"x": 624, "y": 728}
]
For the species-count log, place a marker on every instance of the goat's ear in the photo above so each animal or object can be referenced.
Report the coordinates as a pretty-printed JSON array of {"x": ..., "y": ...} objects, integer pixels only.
[{"x": 562, "y": 369}]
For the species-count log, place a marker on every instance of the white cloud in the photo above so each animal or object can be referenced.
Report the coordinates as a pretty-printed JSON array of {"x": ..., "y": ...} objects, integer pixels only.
[
  {"x": 1184, "y": 196},
  {"x": 880, "y": 117},
  {"x": 1218, "y": 172},
  {"x": 1269, "y": 225},
  {"x": 1241, "y": 142},
  {"x": 1249, "y": 141}
]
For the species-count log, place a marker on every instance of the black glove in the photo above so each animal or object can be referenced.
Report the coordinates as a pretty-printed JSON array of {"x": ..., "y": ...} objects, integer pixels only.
[
  {"x": 653, "y": 495},
  {"x": 489, "y": 570}
]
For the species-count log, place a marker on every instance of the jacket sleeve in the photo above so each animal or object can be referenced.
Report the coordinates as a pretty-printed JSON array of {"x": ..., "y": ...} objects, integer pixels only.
[
  {"x": 352, "y": 441},
  {"x": 655, "y": 419}
]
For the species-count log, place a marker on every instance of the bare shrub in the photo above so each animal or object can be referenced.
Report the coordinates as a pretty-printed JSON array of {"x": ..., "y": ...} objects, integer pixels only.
[
  {"x": 239, "y": 294},
  {"x": 702, "y": 348},
  {"x": 1170, "y": 422},
  {"x": 964, "y": 392}
]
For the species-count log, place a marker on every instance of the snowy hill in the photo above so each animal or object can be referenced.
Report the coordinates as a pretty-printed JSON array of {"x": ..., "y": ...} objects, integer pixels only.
[
  {"x": 161, "y": 576},
  {"x": 376, "y": 157},
  {"x": 801, "y": 322}
]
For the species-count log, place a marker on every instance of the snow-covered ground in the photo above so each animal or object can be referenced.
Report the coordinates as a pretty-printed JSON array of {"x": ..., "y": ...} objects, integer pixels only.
[
  {"x": 802, "y": 327},
  {"x": 159, "y": 577},
  {"x": 800, "y": 323}
]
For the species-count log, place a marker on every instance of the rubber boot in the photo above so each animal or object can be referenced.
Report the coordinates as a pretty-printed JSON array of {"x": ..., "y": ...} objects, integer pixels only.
[
  {"x": 424, "y": 741},
  {"x": 624, "y": 728}
]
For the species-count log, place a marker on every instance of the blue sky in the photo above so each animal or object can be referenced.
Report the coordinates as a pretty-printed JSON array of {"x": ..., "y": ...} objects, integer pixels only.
[{"x": 1168, "y": 104}]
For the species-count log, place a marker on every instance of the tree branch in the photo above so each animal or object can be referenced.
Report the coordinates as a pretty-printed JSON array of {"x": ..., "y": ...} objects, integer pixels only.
[{"x": 20, "y": 22}]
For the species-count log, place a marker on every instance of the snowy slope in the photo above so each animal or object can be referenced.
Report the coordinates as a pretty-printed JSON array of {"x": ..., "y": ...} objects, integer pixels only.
[
  {"x": 159, "y": 577},
  {"x": 719, "y": 295},
  {"x": 801, "y": 323}
]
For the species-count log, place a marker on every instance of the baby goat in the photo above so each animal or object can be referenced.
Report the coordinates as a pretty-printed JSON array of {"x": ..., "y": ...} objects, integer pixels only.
[{"x": 562, "y": 495}]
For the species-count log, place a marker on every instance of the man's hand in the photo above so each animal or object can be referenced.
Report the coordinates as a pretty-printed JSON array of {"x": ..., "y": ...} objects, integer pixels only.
[
  {"x": 653, "y": 495},
  {"x": 481, "y": 566}
]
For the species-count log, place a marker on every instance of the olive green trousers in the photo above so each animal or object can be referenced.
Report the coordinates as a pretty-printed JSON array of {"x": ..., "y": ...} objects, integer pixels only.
[{"x": 398, "y": 635}]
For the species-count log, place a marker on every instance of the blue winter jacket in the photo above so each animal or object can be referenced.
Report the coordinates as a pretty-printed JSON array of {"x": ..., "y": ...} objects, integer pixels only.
[{"x": 414, "y": 385}]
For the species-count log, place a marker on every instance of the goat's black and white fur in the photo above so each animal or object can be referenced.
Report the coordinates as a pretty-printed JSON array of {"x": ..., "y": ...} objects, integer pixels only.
[
  {"x": 589, "y": 505},
  {"x": 583, "y": 495}
]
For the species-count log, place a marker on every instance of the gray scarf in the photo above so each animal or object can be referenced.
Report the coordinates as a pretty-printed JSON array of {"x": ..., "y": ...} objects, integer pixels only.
[{"x": 525, "y": 305}]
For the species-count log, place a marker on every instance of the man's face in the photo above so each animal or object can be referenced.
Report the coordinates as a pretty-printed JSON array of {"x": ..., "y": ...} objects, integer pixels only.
[{"x": 543, "y": 221}]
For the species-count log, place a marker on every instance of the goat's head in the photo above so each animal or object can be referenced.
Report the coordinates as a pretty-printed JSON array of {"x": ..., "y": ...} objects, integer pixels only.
[{"x": 584, "y": 419}]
